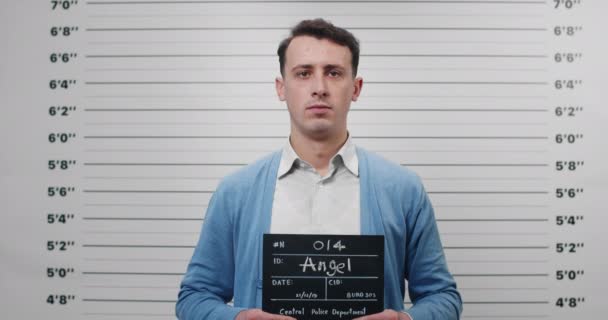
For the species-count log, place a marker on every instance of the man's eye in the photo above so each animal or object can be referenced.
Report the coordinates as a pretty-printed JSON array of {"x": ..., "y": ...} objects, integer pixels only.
[
  {"x": 302, "y": 74},
  {"x": 335, "y": 73}
]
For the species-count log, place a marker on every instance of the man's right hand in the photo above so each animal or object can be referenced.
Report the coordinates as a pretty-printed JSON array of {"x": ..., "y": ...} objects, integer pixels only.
[{"x": 257, "y": 314}]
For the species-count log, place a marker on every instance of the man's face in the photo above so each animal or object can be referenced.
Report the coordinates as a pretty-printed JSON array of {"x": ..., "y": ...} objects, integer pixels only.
[{"x": 318, "y": 86}]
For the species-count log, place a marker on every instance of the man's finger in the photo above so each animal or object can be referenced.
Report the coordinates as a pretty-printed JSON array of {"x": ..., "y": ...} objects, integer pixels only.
[
  {"x": 272, "y": 316},
  {"x": 279, "y": 317},
  {"x": 384, "y": 315},
  {"x": 258, "y": 314},
  {"x": 375, "y": 316}
]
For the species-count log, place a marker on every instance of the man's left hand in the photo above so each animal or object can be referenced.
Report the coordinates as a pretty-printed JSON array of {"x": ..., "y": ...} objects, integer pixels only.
[{"x": 386, "y": 315}]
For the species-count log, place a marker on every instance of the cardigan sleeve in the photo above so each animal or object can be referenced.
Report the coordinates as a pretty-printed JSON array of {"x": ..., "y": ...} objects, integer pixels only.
[
  {"x": 208, "y": 284},
  {"x": 431, "y": 287}
]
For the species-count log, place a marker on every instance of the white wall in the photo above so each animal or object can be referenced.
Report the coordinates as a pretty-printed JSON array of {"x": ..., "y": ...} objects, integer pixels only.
[{"x": 464, "y": 92}]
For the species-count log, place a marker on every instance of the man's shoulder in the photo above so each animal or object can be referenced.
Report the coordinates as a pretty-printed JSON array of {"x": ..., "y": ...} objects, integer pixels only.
[
  {"x": 392, "y": 180},
  {"x": 250, "y": 174},
  {"x": 386, "y": 170}
]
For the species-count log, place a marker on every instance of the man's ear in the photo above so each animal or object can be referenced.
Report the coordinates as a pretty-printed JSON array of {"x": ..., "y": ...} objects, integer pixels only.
[
  {"x": 280, "y": 87},
  {"x": 358, "y": 83}
]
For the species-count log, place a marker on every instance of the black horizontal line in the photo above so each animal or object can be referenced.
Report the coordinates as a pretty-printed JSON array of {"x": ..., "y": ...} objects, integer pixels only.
[
  {"x": 199, "y": 219},
  {"x": 454, "y": 55},
  {"x": 394, "y": 55},
  {"x": 134, "y": 273},
  {"x": 503, "y": 275},
  {"x": 287, "y": 28},
  {"x": 493, "y": 220},
  {"x": 194, "y": 205},
  {"x": 266, "y": 82},
  {"x": 148, "y": 191},
  {"x": 174, "y": 301},
  {"x": 285, "y": 110},
  {"x": 133, "y": 246},
  {"x": 143, "y": 219},
  {"x": 172, "y": 82},
  {"x": 127, "y": 300},
  {"x": 496, "y": 247},
  {"x": 475, "y": 164},
  {"x": 505, "y": 302},
  {"x": 315, "y": 1},
  {"x": 174, "y": 55},
  {"x": 358, "y": 137},
  {"x": 462, "y": 82},
  {"x": 178, "y": 246},
  {"x": 181, "y": 273},
  {"x": 495, "y": 206},
  {"x": 244, "y": 164},
  {"x": 183, "y": 109},
  {"x": 160, "y": 164},
  {"x": 184, "y": 137},
  {"x": 487, "y": 192},
  {"x": 210, "y": 191},
  {"x": 168, "y": 315}
]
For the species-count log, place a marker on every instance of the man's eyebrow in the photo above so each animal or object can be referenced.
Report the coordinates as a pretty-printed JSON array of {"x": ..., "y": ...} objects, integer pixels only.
[
  {"x": 310, "y": 66},
  {"x": 302, "y": 66},
  {"x": 333, "y": 66}
]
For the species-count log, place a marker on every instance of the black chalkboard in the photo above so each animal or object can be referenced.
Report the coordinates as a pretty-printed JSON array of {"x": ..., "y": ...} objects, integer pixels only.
[{"x": 323, "y": 277}]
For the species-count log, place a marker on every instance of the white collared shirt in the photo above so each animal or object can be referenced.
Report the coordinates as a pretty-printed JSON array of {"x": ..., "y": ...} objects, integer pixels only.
[{"x": 307, "y": 203}]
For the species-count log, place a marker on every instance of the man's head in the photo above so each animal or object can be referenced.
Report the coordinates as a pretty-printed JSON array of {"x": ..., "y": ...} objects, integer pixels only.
[
  {"x": 321, "y": 29},
  {"x": 318, "y": 67}
]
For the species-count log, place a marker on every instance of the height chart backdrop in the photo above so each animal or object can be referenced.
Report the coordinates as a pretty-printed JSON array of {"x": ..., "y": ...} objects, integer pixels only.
[{"x": 120, "y": 117}]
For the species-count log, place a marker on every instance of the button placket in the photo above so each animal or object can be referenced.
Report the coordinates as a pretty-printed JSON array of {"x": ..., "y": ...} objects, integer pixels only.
[{"x": 321, "y": 205}]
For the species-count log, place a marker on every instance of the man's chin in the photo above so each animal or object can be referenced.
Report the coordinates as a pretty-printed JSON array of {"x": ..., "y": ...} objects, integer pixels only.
[{"x": 321, "y": 131}]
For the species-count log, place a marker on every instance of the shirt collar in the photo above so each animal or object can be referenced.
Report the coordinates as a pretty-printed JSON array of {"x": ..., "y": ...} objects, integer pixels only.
[{"x": 347, "y": 153}]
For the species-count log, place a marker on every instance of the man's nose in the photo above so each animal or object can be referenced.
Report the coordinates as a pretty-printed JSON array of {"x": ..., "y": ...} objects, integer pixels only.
[{"x": 319, "y": 86}]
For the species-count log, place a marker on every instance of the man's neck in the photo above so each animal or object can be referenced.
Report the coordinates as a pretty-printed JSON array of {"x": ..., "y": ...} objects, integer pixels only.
[{"x": 317, "y": 152}]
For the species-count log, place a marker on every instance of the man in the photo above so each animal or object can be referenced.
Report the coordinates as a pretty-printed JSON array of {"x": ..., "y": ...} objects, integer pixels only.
[{"x": 319, "y": 183}]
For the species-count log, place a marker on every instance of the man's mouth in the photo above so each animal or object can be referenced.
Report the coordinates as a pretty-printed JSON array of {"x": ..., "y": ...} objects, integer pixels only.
[{"x": 318, "y": 107}]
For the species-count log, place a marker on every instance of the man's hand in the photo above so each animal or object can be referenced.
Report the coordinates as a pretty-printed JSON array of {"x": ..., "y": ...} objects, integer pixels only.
[
  {"x": 257, "y": 314},
  {"x": 386, "y": 315}
]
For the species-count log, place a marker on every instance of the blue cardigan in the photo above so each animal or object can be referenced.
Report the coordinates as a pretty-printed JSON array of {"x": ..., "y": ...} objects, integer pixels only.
[{"x": 227, "y": 262}]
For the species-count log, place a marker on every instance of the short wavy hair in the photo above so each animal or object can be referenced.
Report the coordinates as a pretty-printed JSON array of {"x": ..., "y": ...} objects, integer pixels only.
[{"x": 322, "y": 29}]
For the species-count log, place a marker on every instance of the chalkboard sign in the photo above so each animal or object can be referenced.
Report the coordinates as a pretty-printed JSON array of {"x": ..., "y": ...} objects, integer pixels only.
[{"x": 323, "y": 277}]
